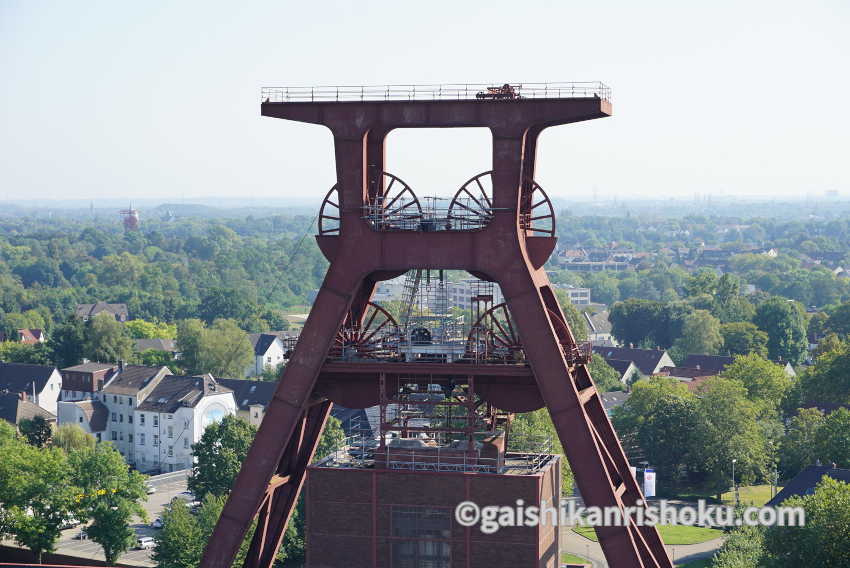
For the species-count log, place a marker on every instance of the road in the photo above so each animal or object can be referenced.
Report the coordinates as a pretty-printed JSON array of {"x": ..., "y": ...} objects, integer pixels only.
[{"x": 167, "y": 486}]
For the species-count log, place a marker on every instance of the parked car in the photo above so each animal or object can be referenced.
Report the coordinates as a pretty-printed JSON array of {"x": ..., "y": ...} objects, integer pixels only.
[
  {"x": 157, "y": 523},
  {"x": 69, "y": 523},
  {"x": 150, "y": 489},
  {"x": 145, "y": 542}
]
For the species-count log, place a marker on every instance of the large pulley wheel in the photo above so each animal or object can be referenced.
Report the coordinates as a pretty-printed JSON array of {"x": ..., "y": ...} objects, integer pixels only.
[
  {"x": 494, "y": 338},
  {"x": 472, "y": 204},
  {"x": 536, "y": 214},
  {"x": 394, "y": 207},
  {"x": 374, "y": 335},
  {"x": 329, "y": 213}
]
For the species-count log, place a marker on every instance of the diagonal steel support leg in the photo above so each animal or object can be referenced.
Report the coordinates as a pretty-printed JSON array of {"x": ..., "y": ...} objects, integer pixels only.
[
  {"x": 286, "y": 426},
  {"x": 285, "y": 486},
  {"x": 597, "y": 459}
]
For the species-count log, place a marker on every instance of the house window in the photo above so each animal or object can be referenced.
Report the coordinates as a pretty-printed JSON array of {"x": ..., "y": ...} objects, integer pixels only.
[
  {"x": 98, "y": 436},
  {"x": 81, "y": 419},
  {"x": 130, "y": 418},
  {"x": 121, "y": 436},
  {"x": 130, "y": 401},
  {"x": 170, "y": 432},
  {"x": 130, "y": 438},
  {"x": 114, "y": 417},
  {"x": 170, "y": 416},
  {"x": 171, "y": 451},
  {"x": 185, "y": 443},
  {"x": 156, "y": 420},
  {"x": 114, "y": 435},
  {"x": 121, "y": 418},
  {"x": 155, "y": 440},
  {"x": 142, "y": 419},
  {"x": 114, "y": 399},
  {"x": 141, "y": 439}
]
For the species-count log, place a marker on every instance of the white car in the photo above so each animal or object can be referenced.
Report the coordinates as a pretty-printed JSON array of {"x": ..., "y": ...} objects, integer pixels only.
[
  {"x": 145, "y": 542},
  {"x": 157, "y": 523},
  {"x": 150, "y": 489}
]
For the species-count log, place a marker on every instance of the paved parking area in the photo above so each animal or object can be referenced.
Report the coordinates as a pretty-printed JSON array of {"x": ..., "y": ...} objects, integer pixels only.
[{"x": 167, "y": 486}]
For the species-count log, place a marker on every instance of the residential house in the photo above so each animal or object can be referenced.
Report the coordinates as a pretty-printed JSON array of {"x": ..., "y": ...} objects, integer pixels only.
[
  {"x": 87, "y": 311},
  {"x": 693, "y": 376},
  {"x": 128, "y": 388},
  {"x": 598, "y": 328},
  {"x": 268, "y": 352},
  {"x": 174, "y": 416},
  {"x": 252, "y": 397},
  {"x": 90, "y": 415},
  {"x": 648, "y": 361},
  {"x": 14, "y": 409},
  {"x": 806, "y": 481},
  {"x": 82, "y": 382},
  {"x": 628, "y": 372},
  {"x": 713, "y": 364},
  {"x": 38, "y": 384},
  {"x": 167, "y": 345},
  {"x": 31, "y": 336}
]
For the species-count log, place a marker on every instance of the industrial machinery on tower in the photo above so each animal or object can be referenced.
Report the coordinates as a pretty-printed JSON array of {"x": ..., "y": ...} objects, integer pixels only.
[{"x": 443, "y": 372}]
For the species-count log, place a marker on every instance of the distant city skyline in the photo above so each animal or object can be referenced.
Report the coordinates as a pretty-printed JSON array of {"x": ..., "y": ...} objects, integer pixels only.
[{"x": 160, "y": 101}]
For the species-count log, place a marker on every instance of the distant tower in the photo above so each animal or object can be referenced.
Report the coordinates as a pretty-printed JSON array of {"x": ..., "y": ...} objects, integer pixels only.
[{"x": 131, "y": 218}]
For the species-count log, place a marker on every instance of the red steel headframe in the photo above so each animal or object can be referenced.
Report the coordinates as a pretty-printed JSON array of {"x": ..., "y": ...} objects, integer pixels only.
[{"x": 360, "y": 256}]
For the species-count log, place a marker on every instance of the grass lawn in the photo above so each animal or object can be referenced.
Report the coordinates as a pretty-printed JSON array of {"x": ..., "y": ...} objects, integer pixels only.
[
  {"x": 567, "y": 558},
  {"x": 756, "y": 495},
  {"x": 671, "y": 534}
]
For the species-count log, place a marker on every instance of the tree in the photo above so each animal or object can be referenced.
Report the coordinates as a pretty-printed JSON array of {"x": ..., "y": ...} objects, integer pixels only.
[
  {"x": 72, "y": 438},
  {"x": 333, "y": 437},
  {"x": 225, "y": 350},
  {"x": 112, "y": 496},
  {"x": 784, "y": 323},
  {"x": 141, "y": 329},
  {"x": 703, "y": 281},
  {"x": 604, "y": 375},
  {"x": 66, "y": 343},
  {"x": 822, "y": 541},
  {"x": 833, "y": 438},
  {"x": 107, "y": 339},
  {"x": 700, "y": 334},
  {"x": 37, "y": 494},
  {"x": 15, "y": 352},
  {"x": 827, "y": 380},
  {"x": 799, "y": 445},
  {"x": 743, "y": 548},
  {"x": 765, "y": 381},
  {"x": 225, "y": 303},
  {"x": 839, "y": 320},
  {"x": 183, "y": 538},
  {"x": 189, "y": 338},
  {"x": 574, "y": 318},
  {"x": 37, "y": 431},
  {"x": 178, "y": 542},
  {"x": 534, "y": 432},
  {"x": 660, "y": 417},
  {"x": 219, "y": 455},
  {"x": 742, "y": 338},
  {"x": 727, "y": 429}
]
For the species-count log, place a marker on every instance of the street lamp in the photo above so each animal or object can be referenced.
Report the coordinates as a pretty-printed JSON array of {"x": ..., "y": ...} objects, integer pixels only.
[{"x": 734, "y": 485}]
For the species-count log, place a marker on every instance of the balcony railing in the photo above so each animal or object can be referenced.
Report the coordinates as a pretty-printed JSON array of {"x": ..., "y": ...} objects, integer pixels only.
[{"x": 447, "y": 92}]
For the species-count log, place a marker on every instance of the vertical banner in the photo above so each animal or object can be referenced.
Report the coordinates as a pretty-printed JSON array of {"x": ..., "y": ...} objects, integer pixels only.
[{"x": 649, "y": 482}]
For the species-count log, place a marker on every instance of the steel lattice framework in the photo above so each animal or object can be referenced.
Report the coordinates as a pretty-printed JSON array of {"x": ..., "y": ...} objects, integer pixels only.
[{"x": 507, "y": 237}]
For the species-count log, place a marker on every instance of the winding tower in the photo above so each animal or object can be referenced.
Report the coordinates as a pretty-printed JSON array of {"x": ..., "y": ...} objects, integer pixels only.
[{"x": 519, "y": 355}]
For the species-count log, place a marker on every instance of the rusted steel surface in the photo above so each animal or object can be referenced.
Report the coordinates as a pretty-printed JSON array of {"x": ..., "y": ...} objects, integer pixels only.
[{"x": 501, "y": 252}]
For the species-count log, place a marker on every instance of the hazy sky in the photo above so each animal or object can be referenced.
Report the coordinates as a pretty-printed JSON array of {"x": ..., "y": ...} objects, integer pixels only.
[{"x": 161, "y": 99}]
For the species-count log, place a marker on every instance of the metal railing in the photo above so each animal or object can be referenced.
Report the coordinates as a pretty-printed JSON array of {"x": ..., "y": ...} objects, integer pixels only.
[{"x": 457, "y": 91}]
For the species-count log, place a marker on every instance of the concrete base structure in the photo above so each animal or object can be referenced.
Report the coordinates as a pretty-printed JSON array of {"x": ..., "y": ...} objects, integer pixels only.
[{"x": 392, "y": 518}]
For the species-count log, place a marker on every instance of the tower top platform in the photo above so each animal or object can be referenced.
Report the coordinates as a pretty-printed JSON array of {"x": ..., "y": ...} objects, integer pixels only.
[
  {"x": 443, "y": 92},
  {"x": 350, "y": 110}
]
